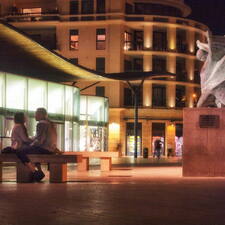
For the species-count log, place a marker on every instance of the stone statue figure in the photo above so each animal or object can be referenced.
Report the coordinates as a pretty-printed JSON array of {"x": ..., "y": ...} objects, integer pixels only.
[{"x": 213, "y": 71}]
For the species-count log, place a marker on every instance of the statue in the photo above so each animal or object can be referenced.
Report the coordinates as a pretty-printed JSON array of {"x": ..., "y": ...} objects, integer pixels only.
[{"x": 213, "y": 71}]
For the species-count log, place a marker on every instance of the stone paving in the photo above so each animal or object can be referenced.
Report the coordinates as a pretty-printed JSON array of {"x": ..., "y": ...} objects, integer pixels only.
[{"x": 124, "y": 196}]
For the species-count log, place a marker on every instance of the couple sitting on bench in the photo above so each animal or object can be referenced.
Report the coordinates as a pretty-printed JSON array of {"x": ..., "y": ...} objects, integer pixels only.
[{"x": 44, "y": 141}]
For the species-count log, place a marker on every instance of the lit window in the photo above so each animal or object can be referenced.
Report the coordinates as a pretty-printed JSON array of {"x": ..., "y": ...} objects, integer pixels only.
[
  {"x": 74, "y": 40},
  {"x": 100, "y": 39},
  {"x": 32, "y": 11},
  {"x": 127, "y": 41}
]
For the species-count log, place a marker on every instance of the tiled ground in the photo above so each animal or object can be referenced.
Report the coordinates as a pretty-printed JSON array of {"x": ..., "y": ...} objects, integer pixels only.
[{"x": 124, "y": 196}]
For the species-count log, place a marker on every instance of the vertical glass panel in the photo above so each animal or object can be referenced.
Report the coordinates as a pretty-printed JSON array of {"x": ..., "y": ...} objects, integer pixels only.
[
  {"x": 76, "y": 102},
  {"x": 106, "y": 109},
  {"x": 15, "y": 92},
  {"x": 95, "y": 109},
  {"x": 69, "y": 101},
  {"x": 37, "y": 94},
  {"x": 76, "y": 136},
  {"x": 2, "y": 89},
  {"x": 83, "y": 107},
  {"x": 31, "y": 126},
  {"x": 68, "y": 136},
  {"x": 55, "y": 98},
  {"x": 60, "y": 134}
]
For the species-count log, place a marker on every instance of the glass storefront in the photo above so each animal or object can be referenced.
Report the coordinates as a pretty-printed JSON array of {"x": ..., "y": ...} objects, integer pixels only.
[
  {"x": 158, "y": 134},
  {"x": 81, "y": 121},
  {"x": 93, "y": 123},
  {"x": 179, "y": 140},
  {"x": 131, "y": 139}
]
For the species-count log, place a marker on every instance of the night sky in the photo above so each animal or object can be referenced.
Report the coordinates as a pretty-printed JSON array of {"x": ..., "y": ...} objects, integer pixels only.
[{"x": 209, "y": 12}]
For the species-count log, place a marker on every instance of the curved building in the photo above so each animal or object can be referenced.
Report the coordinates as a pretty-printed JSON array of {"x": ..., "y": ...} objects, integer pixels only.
[{"x": 115, "y": 36}]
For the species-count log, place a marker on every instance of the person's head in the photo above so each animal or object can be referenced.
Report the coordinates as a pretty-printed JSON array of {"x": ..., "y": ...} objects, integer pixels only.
[
  {"x": 19, "y": 118},
  {"x": 41, "y": 114}
]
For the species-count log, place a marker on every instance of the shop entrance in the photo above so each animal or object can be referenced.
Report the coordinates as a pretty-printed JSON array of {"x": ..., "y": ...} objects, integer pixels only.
[
  {"x": 158, "y": 134},
  {"x": 179, "y": 140},
  {"x": 130, "y": 139},
  {"x": 92, "y": 138}
]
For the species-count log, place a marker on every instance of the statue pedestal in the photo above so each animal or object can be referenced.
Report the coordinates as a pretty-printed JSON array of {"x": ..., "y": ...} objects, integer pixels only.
[{"x": 204, "y": 142}]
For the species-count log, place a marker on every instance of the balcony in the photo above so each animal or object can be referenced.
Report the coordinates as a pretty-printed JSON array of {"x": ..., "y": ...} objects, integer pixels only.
[{"x": 32, "y": 18}]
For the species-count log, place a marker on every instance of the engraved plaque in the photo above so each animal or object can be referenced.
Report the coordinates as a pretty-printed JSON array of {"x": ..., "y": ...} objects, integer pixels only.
[{"x": 209, "y": 121}]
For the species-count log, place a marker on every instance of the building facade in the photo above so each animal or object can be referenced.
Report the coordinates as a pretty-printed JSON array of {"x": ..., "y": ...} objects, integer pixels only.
[{"x": 121, "y": 36}]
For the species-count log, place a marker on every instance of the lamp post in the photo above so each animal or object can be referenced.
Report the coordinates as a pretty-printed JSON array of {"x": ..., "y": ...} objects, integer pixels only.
[{"x": 136, "y": 76}]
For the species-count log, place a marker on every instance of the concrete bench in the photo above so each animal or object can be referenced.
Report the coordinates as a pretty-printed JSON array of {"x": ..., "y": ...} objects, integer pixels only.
[
  {"x": 105, "y": 157},
  {"x": 57, "y": 166}
]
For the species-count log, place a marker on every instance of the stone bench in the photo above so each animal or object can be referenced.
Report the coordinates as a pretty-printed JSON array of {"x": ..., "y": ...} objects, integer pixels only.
[
  {"x": 57, "y": 166},
  {"x": 105, "y": 157}
]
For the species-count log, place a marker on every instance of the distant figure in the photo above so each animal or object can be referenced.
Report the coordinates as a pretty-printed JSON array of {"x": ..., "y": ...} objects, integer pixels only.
[
  {"x": 19, "y": 136},
  {"x": 157, "y": 150},
  {"x": 44, "y": 142}
]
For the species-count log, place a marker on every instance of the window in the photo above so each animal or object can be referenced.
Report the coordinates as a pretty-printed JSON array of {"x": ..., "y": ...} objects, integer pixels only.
[
  {"x": 160, "y": 40},
  {"x": 130, "y": 151},
  {"x": 182, "y": 45},
  {"x": 129, "y": 8},
  {"x": 129, "y": 97},
  {"x": 100, "y": 39},
  {"x": 100, "y": 6},
  {"x": 138, "y": 64},
  {"x": 74, "y": 7},
  {"x": 159, "y": 95},
  {"x": 32, "y": 11},
  {"x": 100, "y": 64},
  {"x": 127, "y": 41},
  {"x": 87, "y": 7},
  {"x": 180, "y": 96},
  {"x": 138, "y": 40},
  {"x": 74, "y": 61},
  {"x": 100, "y": 91},
  {"x": 127, "y": 66},
  {"x": 159, "y": 64},
  {"x": 74, "y": 39},
  {"x": 181, "y": 73}
]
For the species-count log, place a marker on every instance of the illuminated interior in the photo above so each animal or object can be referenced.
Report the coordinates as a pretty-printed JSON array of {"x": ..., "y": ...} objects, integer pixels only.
[
  {"x": 81, "y": 121},
  {"x": 94, "y": 123}
]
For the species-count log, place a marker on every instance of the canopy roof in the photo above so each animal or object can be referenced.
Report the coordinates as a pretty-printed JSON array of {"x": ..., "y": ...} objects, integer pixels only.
[{"x": 21, "y": 55}]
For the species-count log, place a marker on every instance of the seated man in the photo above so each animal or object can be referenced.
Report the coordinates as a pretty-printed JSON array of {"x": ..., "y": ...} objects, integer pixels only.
[{"x": 43, "y": 143}]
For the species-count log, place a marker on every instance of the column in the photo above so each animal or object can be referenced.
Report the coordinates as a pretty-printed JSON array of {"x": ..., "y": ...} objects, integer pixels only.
[
  {"x": 189, "y": 96},
  {"x": 147, "y": 63},
  {"x": 171, "y": 95},
  {"x": 172, "y": 39},
  {"x": 146, "y": 141},
  {"x": 170, "y": 137},
  {"x": 147, "y": 94},
  {"x": 190, "y": 69},
  {"x": 148, "y": 37},
  {"x": 191, "y": 41},
  {"x": 171, "y": 64}
]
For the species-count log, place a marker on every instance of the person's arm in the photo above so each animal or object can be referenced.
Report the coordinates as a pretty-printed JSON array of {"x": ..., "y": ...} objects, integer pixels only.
[
  {"x": 40, "y": 134},
  {"x": 23, "y": 135}
]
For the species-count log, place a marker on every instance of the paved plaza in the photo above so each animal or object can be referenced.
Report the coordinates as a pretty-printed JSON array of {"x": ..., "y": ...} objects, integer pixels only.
[{"x": 125, "y": 196}]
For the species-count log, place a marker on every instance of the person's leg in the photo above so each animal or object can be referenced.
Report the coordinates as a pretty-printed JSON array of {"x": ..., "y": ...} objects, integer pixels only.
[
  {"x": 22, "y": 155},
  {"x": 8, "y": 150}
]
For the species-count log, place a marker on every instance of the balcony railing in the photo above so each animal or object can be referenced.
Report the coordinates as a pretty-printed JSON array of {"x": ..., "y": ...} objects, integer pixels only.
[
  {"x": 32, "y": 17},
  {"x": 55, "y": 15}
]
